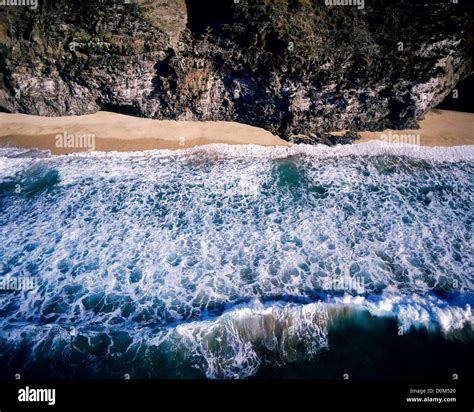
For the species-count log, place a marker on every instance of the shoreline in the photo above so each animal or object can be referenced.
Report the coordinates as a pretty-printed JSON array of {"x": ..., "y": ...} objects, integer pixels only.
[{"x": 107, "y": 131}]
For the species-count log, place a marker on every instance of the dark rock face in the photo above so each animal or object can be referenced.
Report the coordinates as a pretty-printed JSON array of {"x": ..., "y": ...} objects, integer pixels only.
[{"x": 297, "y": 68}]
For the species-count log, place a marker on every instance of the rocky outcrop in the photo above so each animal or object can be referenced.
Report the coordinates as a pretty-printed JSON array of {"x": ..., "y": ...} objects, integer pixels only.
[{"x": 298, "y": 68}]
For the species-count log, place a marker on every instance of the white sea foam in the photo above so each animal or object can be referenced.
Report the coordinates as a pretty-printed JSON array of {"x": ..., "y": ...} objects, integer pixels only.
[
  {"x": 371, "y": 148},
  {"x": 415, "y": 311},
  {"x": 200, "y": 233},
  {"x": 173, "y": 239}
]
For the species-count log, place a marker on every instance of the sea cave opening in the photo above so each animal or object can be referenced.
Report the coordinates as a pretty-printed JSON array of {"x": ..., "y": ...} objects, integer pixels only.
[
  {"x": 204, "y": 14},
  {"x": 460, "y": 98}
]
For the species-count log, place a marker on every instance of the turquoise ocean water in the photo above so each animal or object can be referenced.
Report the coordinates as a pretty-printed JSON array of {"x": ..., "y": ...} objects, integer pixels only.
[{"x": 237, "y": 262}]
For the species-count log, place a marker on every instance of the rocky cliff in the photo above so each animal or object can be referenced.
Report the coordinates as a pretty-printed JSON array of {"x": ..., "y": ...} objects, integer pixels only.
[{"x": 298, "y": 68}]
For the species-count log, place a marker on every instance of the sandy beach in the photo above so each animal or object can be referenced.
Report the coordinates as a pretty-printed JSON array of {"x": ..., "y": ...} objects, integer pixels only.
[
  {"x": 118, "y": 132},
  {"x": 106, "y": 131},
  {"x": 439, "y": 128}
]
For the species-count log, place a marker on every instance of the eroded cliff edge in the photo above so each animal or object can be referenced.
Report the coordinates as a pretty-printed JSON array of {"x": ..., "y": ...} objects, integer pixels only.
[{"x": 297, "y": 68}]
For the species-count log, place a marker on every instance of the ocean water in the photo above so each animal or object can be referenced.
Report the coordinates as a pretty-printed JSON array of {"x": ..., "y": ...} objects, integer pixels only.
[{"x": 237, "y": 262}]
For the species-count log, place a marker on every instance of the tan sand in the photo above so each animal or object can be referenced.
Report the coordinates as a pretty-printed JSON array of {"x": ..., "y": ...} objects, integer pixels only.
[
  {"x": 439, "y": 128},
  {"x": 117, "y": 132}
]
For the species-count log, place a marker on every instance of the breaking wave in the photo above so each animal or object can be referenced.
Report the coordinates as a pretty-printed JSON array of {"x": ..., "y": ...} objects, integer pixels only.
[{"x": 221, "y": 260}]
